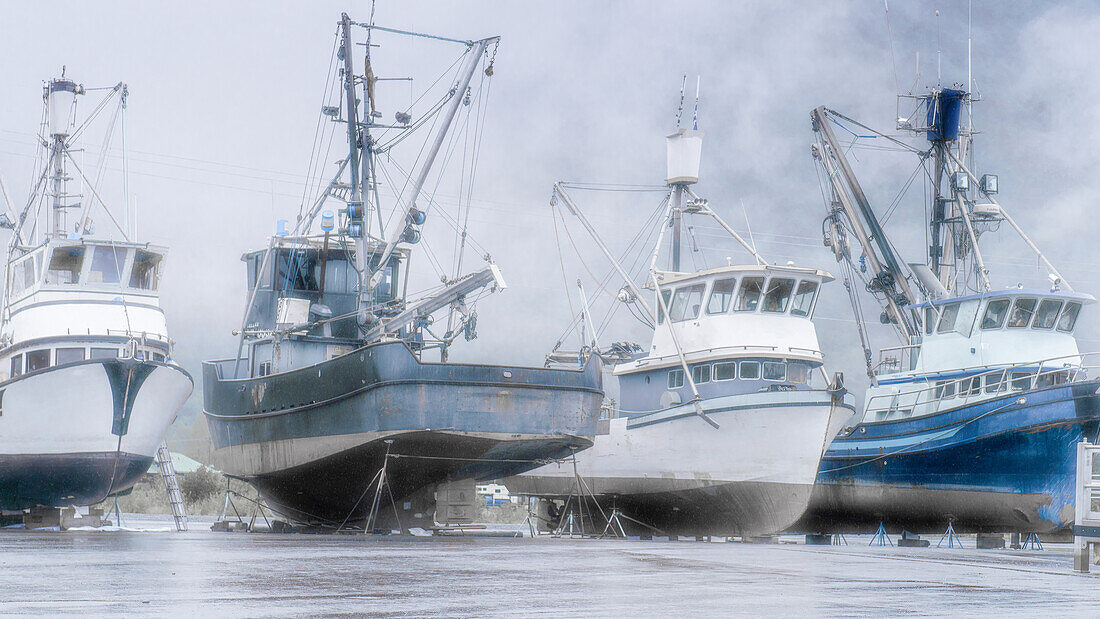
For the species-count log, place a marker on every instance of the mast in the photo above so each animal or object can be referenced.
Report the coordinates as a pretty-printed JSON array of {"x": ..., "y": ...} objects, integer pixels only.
[
  {"x": 60, "y": 101},
  {"x": 355, "y": 202}
]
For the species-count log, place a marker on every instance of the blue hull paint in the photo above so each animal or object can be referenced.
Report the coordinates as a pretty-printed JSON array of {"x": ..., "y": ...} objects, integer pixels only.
[
  {"x": 992, "y": 466},
  {"x": 59, "y": 480}
]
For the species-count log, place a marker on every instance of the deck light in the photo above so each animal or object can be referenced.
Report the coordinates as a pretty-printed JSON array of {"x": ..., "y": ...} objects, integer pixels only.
[
  {"x": 961, "y": 180},
  {"x": 988, "y": 184}
]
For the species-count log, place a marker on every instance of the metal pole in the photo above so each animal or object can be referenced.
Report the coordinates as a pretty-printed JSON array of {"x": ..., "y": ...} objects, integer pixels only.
[
  {"x": 677, "y": 217},
  {"x": 560, "y": 191}
]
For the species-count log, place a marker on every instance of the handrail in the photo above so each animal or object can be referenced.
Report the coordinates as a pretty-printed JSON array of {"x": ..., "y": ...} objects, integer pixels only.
[{"x": 1075, "y": 372}]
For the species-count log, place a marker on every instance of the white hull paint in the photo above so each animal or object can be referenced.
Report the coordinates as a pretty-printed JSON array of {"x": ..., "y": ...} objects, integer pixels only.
[
  {"x": 669, "y": 460},
  {"x": 70, "y": 410}
]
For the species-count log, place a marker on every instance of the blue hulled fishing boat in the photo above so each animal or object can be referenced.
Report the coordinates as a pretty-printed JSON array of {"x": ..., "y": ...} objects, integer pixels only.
[{"x": 973, "y": 420}]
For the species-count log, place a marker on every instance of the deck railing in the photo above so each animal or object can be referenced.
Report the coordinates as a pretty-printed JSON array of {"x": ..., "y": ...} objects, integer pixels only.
[{"x": 979, "y": 383}]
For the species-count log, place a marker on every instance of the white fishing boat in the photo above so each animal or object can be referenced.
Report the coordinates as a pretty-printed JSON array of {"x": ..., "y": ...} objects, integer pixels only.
[
  {"x": 721, "y": 422},
  {"x": 88, "y": 387}
]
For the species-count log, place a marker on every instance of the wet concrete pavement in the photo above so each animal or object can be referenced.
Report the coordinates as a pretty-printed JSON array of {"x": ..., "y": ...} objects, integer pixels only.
[{"x": 234, "y": 574}]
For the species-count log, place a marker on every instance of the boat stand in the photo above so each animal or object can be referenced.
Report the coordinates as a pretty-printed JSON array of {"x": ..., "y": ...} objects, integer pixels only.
[
  {"x": 376, "y": 506},
  {"x": 614, "y": 524},
  {"x": 950, "y": 536},
  {"x": 530, "y": 521},
  {"x": 580, "y": 491},
  {"x": 118, "y": 513},
  {"x": 881, "y": 538},
  {"x": 1032, "y": 542},
  {"x": 838, "y": 539}
]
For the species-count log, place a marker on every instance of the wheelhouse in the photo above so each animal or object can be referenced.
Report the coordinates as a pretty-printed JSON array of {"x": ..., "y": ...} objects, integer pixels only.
[
  {"x": 738, "y": 290},
  {"x": 65, "y": 265},
  {"x": 305, "y": 269}
]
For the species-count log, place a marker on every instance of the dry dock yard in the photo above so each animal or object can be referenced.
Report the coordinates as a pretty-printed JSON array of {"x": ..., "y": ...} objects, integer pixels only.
[{"x": 96, "y": 573}]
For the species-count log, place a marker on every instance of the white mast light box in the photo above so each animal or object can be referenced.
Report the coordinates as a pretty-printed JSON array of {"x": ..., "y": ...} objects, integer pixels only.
[{"x": 685, "y": 148}]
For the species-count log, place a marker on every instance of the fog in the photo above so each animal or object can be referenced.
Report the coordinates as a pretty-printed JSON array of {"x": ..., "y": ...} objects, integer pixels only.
[{"x": 224, "y": 100}]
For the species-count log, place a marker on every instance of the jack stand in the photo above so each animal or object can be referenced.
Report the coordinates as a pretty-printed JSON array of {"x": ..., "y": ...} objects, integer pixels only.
[
  {"x": 118, "y": 514},
  {"x": 221, "y": 524},
  {"x": 570, "y": 524},
  {"x": 614, "y": 524},
  {"x": 530, "y": 522},
  {"x": 377, "y": 504},
  {"x": 950, "y": 536},
  {"x": 259, "y": 509},
  {"x": 881, "y": 538},
  {"x": 1032, "y": 542}
]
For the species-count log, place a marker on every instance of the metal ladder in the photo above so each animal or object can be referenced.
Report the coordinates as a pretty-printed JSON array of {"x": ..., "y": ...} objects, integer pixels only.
[{"x": 171, "y": 484}]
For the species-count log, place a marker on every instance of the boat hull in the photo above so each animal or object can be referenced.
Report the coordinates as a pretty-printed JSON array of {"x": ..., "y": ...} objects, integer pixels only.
[
  {"x": 996, "y": 466},
  {"x": 77, "y": 433},
  {"x": 312, "y": 440},
  {"x": 674, "y": 473}
]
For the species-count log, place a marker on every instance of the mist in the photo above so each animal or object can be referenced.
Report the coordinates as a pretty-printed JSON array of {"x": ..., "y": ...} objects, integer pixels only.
[{"x": 224, "y": 99}]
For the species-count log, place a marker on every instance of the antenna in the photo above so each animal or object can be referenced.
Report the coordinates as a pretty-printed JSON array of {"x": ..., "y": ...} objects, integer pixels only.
[
  {"x": 695, "y": 112},
  {"x": 939, "y": 51},
  {"x": 680, "y": 110}
]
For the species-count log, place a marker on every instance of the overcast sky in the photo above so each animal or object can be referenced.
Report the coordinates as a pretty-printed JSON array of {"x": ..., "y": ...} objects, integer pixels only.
[{"x": 224, "y": 100}]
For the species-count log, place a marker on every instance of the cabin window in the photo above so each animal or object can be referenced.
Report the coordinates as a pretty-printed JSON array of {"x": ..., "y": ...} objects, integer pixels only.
[
  {"x": 159, "y": 357},
  {"x": 720, "y": 296},
  {"x": 804, "y": 298},
  {"x": 779, "y": 293},
  {"x": 995, "y": 382},
  {"x": 750, "y": 370},
  {"x": 384, "y": 290},
  {"x": 995, "y": 313},
  {"x": 945, "y": 389},
  {"x": 30, "y": 272},
  {"x": 798, "y": 373},
  {"x": 297, "y": 270},
  {"x": 725, "y": 371},
  {"x": 145, "y": 271},
  {"x": 686, "y": 302},
  {"x": 65, "y": 265},
  {"x": 666, "y": 297},
  {"x": 774, "y": 370},
  {"x": 1049, "y": 379},
  {"x": 103, "y": 353},
  {"x": 971, "y": 386},
  {"x": 38, "y": 360},
  {"x": 700, "y": 374},
  {"x": 16, "y": 366},
  {"x": 1069, "y": 317},
  {"x": 107, "y": 265},
  {"x": 1021, "y": 314},
  {"x": 748, "y": 298},
  {"x": 69, "y": 355},
  {"x": 948, "y": 315},
  {"x": 18, "y": 279},
  {"x": 263, "y": 369},
  {"x": 1047, "y": 314},
  {"x": 930, "y": 320},
  {"x": 675, "y": 379},
  {"x": 1021, "y": 381}
]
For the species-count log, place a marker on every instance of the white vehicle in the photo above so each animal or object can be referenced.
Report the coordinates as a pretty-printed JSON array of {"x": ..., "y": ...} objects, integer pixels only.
[{"x": 87, "y": 384}]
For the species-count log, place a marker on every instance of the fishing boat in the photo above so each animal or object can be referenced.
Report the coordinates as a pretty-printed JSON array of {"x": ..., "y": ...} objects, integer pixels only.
[
  {"x": 88, "y": 386},
  {"x": 722, "y": 420},
  {"x": 331, "y": 397},
  {"x": 970, "y": 424}
]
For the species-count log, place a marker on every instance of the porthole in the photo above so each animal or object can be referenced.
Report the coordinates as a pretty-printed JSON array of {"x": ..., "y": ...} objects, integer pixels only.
[{"x": 507, "y": 373}]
